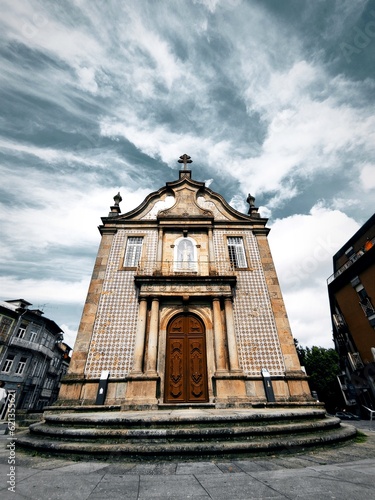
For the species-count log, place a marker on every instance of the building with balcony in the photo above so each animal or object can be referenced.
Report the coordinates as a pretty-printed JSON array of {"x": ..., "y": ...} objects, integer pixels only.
[
  {"x": 33, "y": 357},
  {"x": 351, "y": 290},
  {"x": 184, "y": 308}
]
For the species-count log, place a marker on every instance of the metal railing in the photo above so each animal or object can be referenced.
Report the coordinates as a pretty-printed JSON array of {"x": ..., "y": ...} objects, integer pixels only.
[
  {"x": 5, "y": 407},
  {"x": 355, "y": 360},
  {"x": 192, "y": 268},
  {"x": 353, "y": 258},
  {"x": 367, "y": 307},
  {"x": 339, "y": 322}
]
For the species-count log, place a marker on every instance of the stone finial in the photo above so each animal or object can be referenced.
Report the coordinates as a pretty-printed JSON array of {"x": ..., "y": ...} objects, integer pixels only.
[
  {"x": 117, "y": 199},
  {"x": 115, "y": 209},
  {"x": 250, "y": 200},
  {"x": 253, "y": 211}
]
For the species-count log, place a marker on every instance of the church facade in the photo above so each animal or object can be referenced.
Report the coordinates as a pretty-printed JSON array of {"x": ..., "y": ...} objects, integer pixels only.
[{"x": 184, "y": 308}]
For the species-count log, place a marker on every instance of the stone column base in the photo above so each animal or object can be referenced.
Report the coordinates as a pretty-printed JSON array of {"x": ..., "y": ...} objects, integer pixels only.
[
  {"x": 229, "y": 387},
  {"x": 141, "y": 392},
  {"x": 78, "y": 392}
]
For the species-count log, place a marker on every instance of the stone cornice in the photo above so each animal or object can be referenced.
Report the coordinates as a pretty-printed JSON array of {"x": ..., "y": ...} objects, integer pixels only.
[
  {"x": 180, "y": 285},
  {"x": 107, "y": 230}
]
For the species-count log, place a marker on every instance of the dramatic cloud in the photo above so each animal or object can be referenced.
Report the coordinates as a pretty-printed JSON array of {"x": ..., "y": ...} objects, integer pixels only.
[
  {"x": 101, "y": 97},
  {"x": 304, "y": 265}
]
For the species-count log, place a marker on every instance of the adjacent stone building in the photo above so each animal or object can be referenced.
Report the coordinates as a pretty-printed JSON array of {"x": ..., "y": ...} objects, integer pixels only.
[
  {"x": 33, "y": 356},
  {"x": 184, "y": 308},
  {"x": 351, "y": 290}
]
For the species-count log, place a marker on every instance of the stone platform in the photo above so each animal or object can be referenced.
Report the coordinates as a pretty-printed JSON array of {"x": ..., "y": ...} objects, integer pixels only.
[{"x": 182, "y": 432}]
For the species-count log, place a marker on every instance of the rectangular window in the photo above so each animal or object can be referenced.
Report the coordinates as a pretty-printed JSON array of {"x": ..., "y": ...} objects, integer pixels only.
[
  {"x": 34, "y": 369},
  {"x": 21, "y": 366},
  {"x": 21, "y": 331},
  {"x": 48, "y": 383},
  {"x": 5, "y": 324},
  {"x": 44, "y": 339},
  {"x": 365, "y": 302},
  {"x": 355, "y": 281},
  {"x": 8, "y": 363},
  {"x": 359, "y": 288},
  {"x": 133, "y": 251},
  {"x": 38, "y": 370},
  {"x": 367, "y": 307},
  {"x": 236, "y": 250},
  {"x": 33, "y": 335}
]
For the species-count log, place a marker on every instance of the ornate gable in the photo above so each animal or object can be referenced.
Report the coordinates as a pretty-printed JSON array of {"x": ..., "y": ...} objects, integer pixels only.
[
  {"x": 186, "y": 204},
  {"x": 183, "y": 198}
]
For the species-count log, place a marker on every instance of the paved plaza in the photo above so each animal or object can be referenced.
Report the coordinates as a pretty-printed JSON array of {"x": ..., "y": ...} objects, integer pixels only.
[{"x": 345, "y": 472}]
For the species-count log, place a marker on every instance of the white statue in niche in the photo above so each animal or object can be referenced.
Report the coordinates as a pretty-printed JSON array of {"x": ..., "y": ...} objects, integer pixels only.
[{"x": 185, "y": 255}]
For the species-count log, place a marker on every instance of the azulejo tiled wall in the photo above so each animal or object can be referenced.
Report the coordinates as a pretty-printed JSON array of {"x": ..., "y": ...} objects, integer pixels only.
[
  {"x": 258, "y": 341},
  {"x": 115, "y": 325}
]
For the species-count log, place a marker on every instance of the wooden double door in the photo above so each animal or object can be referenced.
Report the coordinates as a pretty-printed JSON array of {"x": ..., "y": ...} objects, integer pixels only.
[{"x": 186, "y": 361}]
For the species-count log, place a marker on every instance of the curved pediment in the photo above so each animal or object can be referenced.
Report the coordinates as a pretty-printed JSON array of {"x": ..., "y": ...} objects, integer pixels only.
[{"x": 183, "y": 198}]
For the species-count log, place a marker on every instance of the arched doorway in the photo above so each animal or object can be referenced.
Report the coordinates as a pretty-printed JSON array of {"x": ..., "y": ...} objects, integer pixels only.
[{"x": 186, "y": 361}]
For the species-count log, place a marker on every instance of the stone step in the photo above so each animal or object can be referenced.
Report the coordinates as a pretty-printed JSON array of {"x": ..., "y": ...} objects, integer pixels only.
[
  {"x": 180, "y": 418},
  {"x": 151, "y": 450},
  {"x": 185, "y": 406},
  {"x": 133, "y": 434},
  {"x": 187, "y": 433},
  {"x": 24, "y": 418},
  {"x": 82, "y": 408}
]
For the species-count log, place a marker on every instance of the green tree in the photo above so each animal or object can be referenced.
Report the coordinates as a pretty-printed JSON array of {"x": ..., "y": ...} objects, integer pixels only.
[
  {"x": 322, "y": 367},
  {"x": 301, "y": 352}
]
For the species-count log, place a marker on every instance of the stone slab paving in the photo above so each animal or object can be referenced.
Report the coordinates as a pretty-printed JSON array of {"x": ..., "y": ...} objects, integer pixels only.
[{"x": 345, "y": 472}]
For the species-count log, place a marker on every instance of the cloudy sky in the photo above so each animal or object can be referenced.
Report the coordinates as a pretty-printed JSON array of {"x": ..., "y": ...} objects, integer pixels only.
[{"x": 270, "y": 98}]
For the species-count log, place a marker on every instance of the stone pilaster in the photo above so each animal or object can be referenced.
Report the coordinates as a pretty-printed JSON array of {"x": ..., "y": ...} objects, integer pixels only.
[
  {"x": 211, "y": 254},
  {"x": 219, "y": 336},
  {"x": 159, "y": 254},
  {"x": 140, "y": 337},
  {"x": 153, "y": 337}
]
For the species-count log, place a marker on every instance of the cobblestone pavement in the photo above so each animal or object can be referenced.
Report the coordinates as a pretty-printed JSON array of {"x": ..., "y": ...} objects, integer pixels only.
[{"x": 345, "y": 472}]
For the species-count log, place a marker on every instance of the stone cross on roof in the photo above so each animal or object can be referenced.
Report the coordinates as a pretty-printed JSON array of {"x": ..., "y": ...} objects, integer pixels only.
[{"x": 185, "y": 159}]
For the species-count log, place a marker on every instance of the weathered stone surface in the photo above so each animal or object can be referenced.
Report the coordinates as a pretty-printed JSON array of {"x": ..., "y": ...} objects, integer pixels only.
[{"x": 184, "y": 432}]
